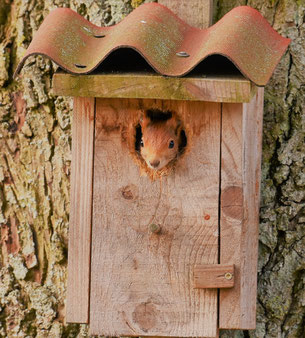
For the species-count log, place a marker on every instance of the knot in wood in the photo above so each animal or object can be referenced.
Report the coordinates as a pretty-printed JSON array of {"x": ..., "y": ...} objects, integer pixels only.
[
  {"x": 129, "y": 192},
  {"x": 145, "y": 316},
  {"x": 232, "y": 202}
]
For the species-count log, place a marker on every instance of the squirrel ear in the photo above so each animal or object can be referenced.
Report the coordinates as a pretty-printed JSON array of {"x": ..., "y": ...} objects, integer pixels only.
[
  {"x": 174, "y": 123},
  {"x": 144, "y": 121},
  {"x": 171, "y": 122},
  {"x": 178, "y": 127},
  {"x": 143, "y": 113}
]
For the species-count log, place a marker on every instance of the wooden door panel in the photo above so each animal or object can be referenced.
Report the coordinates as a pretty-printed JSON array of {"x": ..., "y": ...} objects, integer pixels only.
[{"x": 142, "y": 282}]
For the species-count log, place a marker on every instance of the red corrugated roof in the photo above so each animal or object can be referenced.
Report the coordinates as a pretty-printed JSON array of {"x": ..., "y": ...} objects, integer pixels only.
[{"x": 168, "y": 44}]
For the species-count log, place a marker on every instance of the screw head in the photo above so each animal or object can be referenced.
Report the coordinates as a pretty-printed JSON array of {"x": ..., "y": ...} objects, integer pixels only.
[
  {"x": 183, "y": 54},
  {"x": 228, "y": 276},
  {"x": 154, "y": 228},
  {"x": 78, "y": 65},
  {"x": 87, "y": 29}
]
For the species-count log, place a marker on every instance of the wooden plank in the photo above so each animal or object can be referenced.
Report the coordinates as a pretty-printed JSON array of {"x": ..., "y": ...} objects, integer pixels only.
[
  {"x": 252, "y": 131},
  {"x": 240, "y": 183},
  {"x": 214, "y": 276},
  {"x": 142, "y": 282},
  {"x": 153, "y": 86},
  {"x": 77, "y": 309},
  {"x": 197, "y": 13},
  {"x": 231, "y": 212}
]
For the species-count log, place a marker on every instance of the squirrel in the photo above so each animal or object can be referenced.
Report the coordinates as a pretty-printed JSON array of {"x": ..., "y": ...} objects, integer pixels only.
[{"x": 160, "y": 141}]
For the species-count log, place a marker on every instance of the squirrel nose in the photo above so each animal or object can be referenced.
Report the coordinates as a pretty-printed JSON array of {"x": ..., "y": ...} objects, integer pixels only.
[{"x": 154, "y": 163}]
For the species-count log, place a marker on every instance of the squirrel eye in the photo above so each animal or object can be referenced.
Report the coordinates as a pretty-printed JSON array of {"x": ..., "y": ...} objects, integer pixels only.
[
  {"x": 171, "y": 144},
  {"x": 142, "y": 143}
]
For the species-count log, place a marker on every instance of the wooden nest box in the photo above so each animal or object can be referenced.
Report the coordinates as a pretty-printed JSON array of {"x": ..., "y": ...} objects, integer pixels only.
[{"x": 168, "y": 251}]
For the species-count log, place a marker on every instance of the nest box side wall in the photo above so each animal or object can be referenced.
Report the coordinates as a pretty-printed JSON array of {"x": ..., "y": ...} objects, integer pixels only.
[
  {"x": 241, "y": 152},
  {"x": 80, "y": 210}
]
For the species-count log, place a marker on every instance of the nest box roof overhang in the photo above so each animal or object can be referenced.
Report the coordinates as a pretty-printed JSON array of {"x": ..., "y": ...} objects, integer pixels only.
[{"x": 167, "y": 43}]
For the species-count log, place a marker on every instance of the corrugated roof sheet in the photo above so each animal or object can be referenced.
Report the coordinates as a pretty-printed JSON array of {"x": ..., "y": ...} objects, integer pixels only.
[{"x": 168, "y": 44}]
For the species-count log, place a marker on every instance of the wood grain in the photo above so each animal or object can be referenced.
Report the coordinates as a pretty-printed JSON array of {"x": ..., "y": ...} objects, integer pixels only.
[
  {"x": 142, "y": 283},
  {"x": 197, "y": 13},
  {"x": 240, "y": 184},
  {"x": 253, "y": 125},
  {"x": 153, "y": 86},
  {"x": 214, "y": 276},
  {"x": 77, "y": 309}
]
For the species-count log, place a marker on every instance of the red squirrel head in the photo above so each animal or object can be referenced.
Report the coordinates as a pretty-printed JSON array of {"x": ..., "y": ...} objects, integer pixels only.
[{"x": 160, "y": 140}]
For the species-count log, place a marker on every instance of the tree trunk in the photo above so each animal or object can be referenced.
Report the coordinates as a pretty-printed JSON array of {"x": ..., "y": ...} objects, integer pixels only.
[
  {"x": 281, "y": 291},
  {"x": 35, "y": 145}
]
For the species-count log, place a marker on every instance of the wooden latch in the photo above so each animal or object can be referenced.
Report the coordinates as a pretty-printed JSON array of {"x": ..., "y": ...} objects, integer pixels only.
[{"x": 214, "y": 276}]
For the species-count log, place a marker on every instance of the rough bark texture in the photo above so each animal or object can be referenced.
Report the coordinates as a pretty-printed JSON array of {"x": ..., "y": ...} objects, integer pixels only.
[
  {"x": 281, "y": 286},
  {"x": 35, "y": 157}
]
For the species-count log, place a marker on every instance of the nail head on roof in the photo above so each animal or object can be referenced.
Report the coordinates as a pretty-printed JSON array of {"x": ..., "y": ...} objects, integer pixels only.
[
  {"x": 79, "y": 66},
  {"x": 183, "y": 54}
]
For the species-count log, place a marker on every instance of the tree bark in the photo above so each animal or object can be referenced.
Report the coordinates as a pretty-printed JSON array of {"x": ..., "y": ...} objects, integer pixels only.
[
  {"x": 35, "y": 144},
  {"x": 281, "y": 291}
]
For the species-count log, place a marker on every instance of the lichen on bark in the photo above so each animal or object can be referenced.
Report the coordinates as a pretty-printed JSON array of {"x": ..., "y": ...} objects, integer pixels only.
[{"x": 35, "y": 143}]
